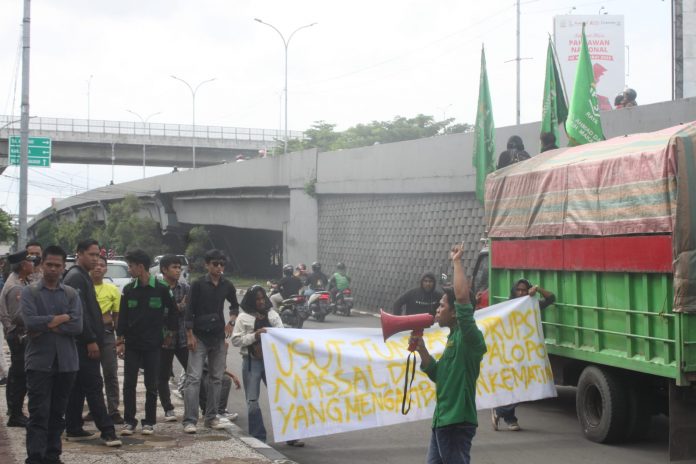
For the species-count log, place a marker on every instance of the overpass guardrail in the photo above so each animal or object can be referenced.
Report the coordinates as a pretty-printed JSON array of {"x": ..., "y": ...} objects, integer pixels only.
[{"x": 97, "y": 126}]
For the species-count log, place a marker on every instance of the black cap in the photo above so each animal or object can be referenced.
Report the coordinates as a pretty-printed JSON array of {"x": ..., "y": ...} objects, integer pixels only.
[{"x": 18, "y": 257}]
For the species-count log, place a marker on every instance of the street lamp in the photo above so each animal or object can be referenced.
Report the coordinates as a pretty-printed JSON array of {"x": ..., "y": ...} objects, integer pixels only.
[
  {"x": 285, "y": 44},
  {"x": 193, "y": 98},
  {"x": 144, "y": 121}
]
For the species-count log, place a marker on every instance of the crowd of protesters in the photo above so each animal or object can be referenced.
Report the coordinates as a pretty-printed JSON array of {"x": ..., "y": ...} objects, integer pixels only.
[{"x": 67, "y": 329}]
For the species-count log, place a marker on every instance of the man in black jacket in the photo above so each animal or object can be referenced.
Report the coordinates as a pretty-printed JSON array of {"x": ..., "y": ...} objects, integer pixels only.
[
  {"x": 89, "y": 383},
  {"x": 423, "y": 299},
  {"x": 147, "y": 307}
]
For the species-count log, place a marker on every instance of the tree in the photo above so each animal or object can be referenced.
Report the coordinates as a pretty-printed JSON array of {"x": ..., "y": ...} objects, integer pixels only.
[
  {"x": 46, "y": 232},
  {"x": 198, "y": 244},
  {"x": 321, "y": 135},
  {"x": 8, "y": 233},
  {"x": 126, "y": 229},
  {"x": 69, "y": 233}
]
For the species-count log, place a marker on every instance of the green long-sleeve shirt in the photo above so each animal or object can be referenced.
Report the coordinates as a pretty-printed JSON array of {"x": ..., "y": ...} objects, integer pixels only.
[{"x": 456, "y": 371}]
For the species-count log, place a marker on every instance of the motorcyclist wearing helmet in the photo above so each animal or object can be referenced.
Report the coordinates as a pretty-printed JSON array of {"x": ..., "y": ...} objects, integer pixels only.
[
  {"x": 287, "y": 286},
  {"x": 339, "y": 281},
  {"x": 317, "y": 280}
]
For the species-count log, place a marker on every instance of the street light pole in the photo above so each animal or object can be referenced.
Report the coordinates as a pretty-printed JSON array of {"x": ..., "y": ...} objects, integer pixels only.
[
  {"x": 193, "y": 99},
  {"x": 286, "y": 43},
  {"x": 144, "y": 121}
]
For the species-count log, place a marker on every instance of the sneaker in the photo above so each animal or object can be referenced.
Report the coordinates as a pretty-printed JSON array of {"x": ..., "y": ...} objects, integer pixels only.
[
  {"x": 3, "y": 382},
  {"x": 218, "y": 424},
  {"x": 169, "y": 416},
  {"x": 514, "y": 427},
  {"x": 494, "y": 420},
  {"x": 230, "y": 416},
  {"x": 17, "y": 421},
  {"x": 110, "y": 439},
  {"x": 190, "y": 428},
  {"x": 128, "y": 429},
  {"x": 116, "y": 418},
  {"x": 148, "y": 429},
  {"x": 80, "y": 435},
  {"x": 297, "y": 443}
]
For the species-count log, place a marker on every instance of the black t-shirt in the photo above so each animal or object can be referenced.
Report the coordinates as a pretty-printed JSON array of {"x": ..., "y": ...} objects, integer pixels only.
[
  {"x": 317, "y": 280},
  {"x": 289, "y": 286}
]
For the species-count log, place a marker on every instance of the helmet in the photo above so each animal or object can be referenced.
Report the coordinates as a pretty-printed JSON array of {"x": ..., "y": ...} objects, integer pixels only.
[
  {"x": 316, "y": 266},
  {"x": 287, "y": 270},
  {"x": 341, "y": 267},
  {"x": 630, "y": 94}
]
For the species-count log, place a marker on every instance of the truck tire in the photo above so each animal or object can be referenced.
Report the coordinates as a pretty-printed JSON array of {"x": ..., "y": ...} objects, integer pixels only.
[{"x": 601, "y": 405}]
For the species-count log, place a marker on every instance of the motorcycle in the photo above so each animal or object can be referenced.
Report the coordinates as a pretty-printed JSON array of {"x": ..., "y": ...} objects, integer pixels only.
[
  {"x": 318, "y": 304},
  {"x": 342, "y": 302},
  {"x": 293, "y": 311}
]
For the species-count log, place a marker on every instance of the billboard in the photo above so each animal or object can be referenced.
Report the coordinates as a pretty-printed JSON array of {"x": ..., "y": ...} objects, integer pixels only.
[{"x": 605, "y": 39}]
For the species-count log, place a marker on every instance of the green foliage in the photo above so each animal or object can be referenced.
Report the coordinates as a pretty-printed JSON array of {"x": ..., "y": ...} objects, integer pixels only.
[
  {"x": 310, "y": 187},
  {"x": 198, "y": 243},
  {"x": 126, "y": 229},
  {"x": 46, "y": 232},
  {"x": 8, "y": 233},
  {"x": 321, "y": 135}
]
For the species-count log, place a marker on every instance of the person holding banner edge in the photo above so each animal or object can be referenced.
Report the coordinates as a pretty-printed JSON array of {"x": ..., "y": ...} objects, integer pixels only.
[
  {"x": 455, "y": 373},
  {"x": 522, "y": 287}
]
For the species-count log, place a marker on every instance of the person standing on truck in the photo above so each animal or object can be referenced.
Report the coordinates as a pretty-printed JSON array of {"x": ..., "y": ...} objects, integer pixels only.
[
  {"x": 454, "y": 373},
  {"x": 419, "y": 300},
  {"x": 522, "y": 287},
  {"x": 514, "y": 154}
]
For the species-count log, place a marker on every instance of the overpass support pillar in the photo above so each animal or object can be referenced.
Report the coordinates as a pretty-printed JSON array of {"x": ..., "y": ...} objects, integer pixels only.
[{"x": 301, "y": 233}]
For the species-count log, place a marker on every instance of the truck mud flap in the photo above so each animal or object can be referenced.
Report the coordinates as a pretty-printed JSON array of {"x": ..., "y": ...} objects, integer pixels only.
[{"x": 682, "y": 423}]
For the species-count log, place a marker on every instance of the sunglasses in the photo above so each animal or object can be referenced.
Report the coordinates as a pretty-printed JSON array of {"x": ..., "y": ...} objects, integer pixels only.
[
  {"x": 217, "y": 263},
  {"x": 33, "y": 259}
]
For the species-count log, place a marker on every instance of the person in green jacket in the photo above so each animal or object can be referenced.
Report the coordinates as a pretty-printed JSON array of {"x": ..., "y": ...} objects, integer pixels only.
[{"x": 455, "y": 373}]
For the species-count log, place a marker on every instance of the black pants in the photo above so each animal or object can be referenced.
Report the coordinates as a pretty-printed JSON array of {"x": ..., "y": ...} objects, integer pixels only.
[
  {"x": 48, "y": 399},
  {"x": 88, "y": 385},
  {"x": 165, "y": 368},
  {"x": 149, "y": 360},
  {"x": 16, "y": 378}
]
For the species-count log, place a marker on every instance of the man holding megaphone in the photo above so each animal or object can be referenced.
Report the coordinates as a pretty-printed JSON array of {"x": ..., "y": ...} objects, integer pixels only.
[{"x": 455, "y": 373}]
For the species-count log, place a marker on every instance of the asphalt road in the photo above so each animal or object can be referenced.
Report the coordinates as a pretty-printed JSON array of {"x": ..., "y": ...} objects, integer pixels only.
[{"x": 550, "y": 432}]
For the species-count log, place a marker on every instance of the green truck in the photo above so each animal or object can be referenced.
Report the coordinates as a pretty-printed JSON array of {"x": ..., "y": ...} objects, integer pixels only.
[{"x": 610, "y": 228}]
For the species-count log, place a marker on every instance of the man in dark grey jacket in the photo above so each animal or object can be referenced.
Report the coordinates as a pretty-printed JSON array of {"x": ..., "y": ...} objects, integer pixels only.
[
  {"x": 89, "y": 383},
  {"x": 52, "y": 315}
]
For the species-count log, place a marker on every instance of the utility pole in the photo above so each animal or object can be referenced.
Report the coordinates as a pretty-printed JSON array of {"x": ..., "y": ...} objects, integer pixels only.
[
  {"x": 517, "y": 115},
  {"x": 24, "y": 129}
]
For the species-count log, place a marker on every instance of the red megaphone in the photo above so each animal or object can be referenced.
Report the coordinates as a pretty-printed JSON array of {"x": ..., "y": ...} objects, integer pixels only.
[{"x": 415, "y": 323}]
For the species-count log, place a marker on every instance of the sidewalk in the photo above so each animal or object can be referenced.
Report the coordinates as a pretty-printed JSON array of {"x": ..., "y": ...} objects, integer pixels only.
[{"x": 169, "y": 444}]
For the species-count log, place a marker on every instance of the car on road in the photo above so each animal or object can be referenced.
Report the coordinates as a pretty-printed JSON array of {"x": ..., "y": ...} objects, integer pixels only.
[{"x": 117, "y": 272}]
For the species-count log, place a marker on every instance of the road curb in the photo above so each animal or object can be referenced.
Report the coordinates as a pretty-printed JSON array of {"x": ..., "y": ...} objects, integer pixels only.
[
  {"x": 365, "y": 313},
  {"x": 257, "y": 445}
]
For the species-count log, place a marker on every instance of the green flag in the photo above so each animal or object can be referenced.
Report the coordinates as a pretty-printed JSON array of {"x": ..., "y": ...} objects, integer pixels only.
[
  {"x": 484, "y": 144},
  {"x": 583, "y": 124},
  {"x": 555, "y": 109}
]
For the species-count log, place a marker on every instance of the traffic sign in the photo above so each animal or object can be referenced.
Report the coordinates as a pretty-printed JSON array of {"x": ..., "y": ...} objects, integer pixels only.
[{"x": 39, "y": 151}]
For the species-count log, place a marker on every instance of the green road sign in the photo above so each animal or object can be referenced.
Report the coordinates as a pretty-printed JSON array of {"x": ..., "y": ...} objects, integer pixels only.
[{"x": 39, "y": 151}]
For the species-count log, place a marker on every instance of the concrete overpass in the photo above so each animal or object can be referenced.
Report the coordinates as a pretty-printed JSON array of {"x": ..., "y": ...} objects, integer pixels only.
[
  {"x": 388, "y": 211},
  {"x": 92, "y": 141}
]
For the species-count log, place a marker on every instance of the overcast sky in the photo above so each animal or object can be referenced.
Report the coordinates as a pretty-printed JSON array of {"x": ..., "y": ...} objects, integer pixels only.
[{"x": 362, "y": 61}]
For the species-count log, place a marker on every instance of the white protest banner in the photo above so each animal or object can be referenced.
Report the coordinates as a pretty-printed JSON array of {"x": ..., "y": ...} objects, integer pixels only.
[
  {"x": 322, "y": 382},
  {"x": 605, "y": 40}
]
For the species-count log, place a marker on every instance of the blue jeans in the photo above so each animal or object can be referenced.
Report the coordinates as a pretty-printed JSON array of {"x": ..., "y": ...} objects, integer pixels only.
[
  {"x": 253, "y": 373},
  {"x": 451, "y": 444},
  {"x": 507, "y": 413},
  {"x": 216, "y": 354}
]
